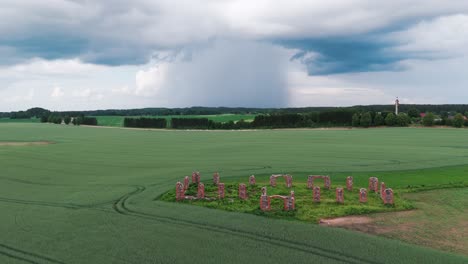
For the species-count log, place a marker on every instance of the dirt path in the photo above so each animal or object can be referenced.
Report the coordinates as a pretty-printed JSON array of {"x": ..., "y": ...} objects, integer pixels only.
[{"x": 439, "y": 222}]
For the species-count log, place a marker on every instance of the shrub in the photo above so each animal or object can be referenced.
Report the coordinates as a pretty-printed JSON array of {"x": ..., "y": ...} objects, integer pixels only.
[
  {"x": 67, "y": 120},
  {"x": 378, "y": 120},
  {"x": 402, "y": 120},
  {"x": 366, "y": 120},
  {"x": 390, "y": 120},
  {"x": 458, "y": 120},
  {"x": 355, "y": 120},
  {"x": 428, "y": 119}
]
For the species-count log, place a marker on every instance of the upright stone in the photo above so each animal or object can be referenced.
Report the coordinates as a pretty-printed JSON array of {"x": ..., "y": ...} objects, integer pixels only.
[
  {"x": 216, "y": 178},
  {"x": 242, "y": 191},
  {"x": 201, "y": 191},
  {"x": 388, "y": 196},
  {"x": 252, "y": 180},
  {"x": 310, "y": 182},
  {"x": 186, "y": 183},
  {"x": 339, "y": 195},
  {"x": 273, "y": 181},
  {"x": 195, "y": 177},
  {"x": 221, "y": 190},
  {"x": 289, "y": 203},
  {"x": 382, "y": 190},
  {"x": 349, "y": 183},
  {"x": 363, "y": 195},
  {"x": 316, "y": 194},
  {"x": 373, "y": 184},
  {"x": 327, "y": 182},
  {"x": 288, "y": 179},
  {"x": 264, "y": 200},
  {"x": 180, "y": 193}
]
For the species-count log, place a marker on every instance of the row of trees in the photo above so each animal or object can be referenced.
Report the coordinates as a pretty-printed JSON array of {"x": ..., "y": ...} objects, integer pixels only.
[
  {"x": 456, "y": 121},
  {"x": 369, "y": 119},
  {"x": 145, "y": 122},
  {"x": 80, "y": 120}
]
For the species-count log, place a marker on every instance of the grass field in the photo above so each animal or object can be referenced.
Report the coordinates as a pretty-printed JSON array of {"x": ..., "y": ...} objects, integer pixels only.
[
  {"x": 117, "y": 121},
  {"x": 91, "y": 196}
]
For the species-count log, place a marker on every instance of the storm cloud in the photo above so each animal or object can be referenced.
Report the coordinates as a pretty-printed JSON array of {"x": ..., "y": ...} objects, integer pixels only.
[{"x": 230, "y": 52}]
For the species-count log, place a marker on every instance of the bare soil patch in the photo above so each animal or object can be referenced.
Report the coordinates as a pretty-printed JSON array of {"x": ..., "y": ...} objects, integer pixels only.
[{"x": 32, "y": 143}]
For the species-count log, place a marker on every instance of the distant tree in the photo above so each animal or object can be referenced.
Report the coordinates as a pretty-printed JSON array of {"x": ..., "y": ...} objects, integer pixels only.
[
  {"x": 378, "y": 120},
  {"x": 44, "y": 119},
  {"x": 458, "y": 120},
  {"x": 402, "y": 120},
  {"x": 428, "y": 119},
  {"x": 413, "y": 112},
  {"x": 355, "y": 120},
  {"x": 67, "y": 120},
  {"x": 390, "y": 120},
  {"x": 366, "y": 119}
]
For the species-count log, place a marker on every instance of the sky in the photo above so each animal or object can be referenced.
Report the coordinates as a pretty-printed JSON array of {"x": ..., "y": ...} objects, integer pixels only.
[{"x": 84, "y": 55}]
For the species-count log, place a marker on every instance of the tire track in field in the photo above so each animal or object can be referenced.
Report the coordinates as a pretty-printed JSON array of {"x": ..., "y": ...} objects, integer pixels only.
[
  {"x": 26, "y": 256},
  {"x": 57, "y": 205},
  {"x": 120, "y": 207}
]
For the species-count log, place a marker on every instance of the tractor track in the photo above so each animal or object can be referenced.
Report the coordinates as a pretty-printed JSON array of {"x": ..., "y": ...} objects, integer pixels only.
[
  {"x": 57, "y": 205},
  {"x": 26, "y": 256},
  {"x": 120, "y": 207}
]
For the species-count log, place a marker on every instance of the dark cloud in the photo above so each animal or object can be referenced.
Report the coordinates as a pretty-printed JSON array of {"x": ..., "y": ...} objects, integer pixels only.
[{"x": 229, "y": 73}]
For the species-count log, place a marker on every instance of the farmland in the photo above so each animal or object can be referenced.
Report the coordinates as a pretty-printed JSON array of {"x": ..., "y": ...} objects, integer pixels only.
[
  {"x": 117, "y": 121},
  {"x": 95, "y": 193}
]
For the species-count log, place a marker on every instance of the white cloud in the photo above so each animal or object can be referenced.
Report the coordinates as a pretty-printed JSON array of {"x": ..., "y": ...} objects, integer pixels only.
[
  {"x": 150, "y": 81},
  {"x": 57, "y": 93},
  {"x": 440, "y": 37}
]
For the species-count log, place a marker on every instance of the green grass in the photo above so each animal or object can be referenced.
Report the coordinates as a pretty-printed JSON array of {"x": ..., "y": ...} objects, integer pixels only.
[
  {"x": 92, "y": 196},
  {"x": 306, "y": 209},
  {"x": 117, "y": 121}
]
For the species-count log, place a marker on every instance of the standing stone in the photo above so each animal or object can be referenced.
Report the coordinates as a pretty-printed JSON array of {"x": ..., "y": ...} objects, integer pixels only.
[
  {"x": 382, "y": 190},
  {"x": 186, "y": 183},
  {"x": 388, "y": 196},
  {"x": 242, "y": 191},
  {"x": 349, "y": 183},
  {"x": 216, "y": 178},
  {"x": 373, "y": 184},
  {"x": 363, "y": 195},
  {"x": 201, "y": 191},
  {"x": 264, "y": 200},
  {"x": 327, "y": 182},
  {"x": 195, "y": 177},
  {"x": 180, "y": 193},
  {"x": 288, "y": 179},
  {"x": 273, "y": 181},
  {"x": 289, "y": 203},
  {"x": 310, "y": 182},
  {"x": 316, "y": 194},
  {"x": 339, "y": 195},
  {"x": 221, "y": 190},
  {"x": 252, "y": 180}
]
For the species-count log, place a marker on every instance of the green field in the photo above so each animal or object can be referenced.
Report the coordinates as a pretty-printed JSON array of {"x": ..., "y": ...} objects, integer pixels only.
[
  {"x": 117, "y": 121},
  {"x": 92, "y": 195}
]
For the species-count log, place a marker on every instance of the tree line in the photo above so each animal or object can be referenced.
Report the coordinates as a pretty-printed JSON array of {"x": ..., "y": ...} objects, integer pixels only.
[
  {"x": 145, "y": 122},
  {"x": 423, "y": 108},
  {"x": 78, "y": 120}
]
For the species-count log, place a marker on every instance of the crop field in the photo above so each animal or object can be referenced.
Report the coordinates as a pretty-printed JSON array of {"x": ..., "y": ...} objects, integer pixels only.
[
  {"x": 117, "y": 121},
  {"x": 93, "y": 195}
]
